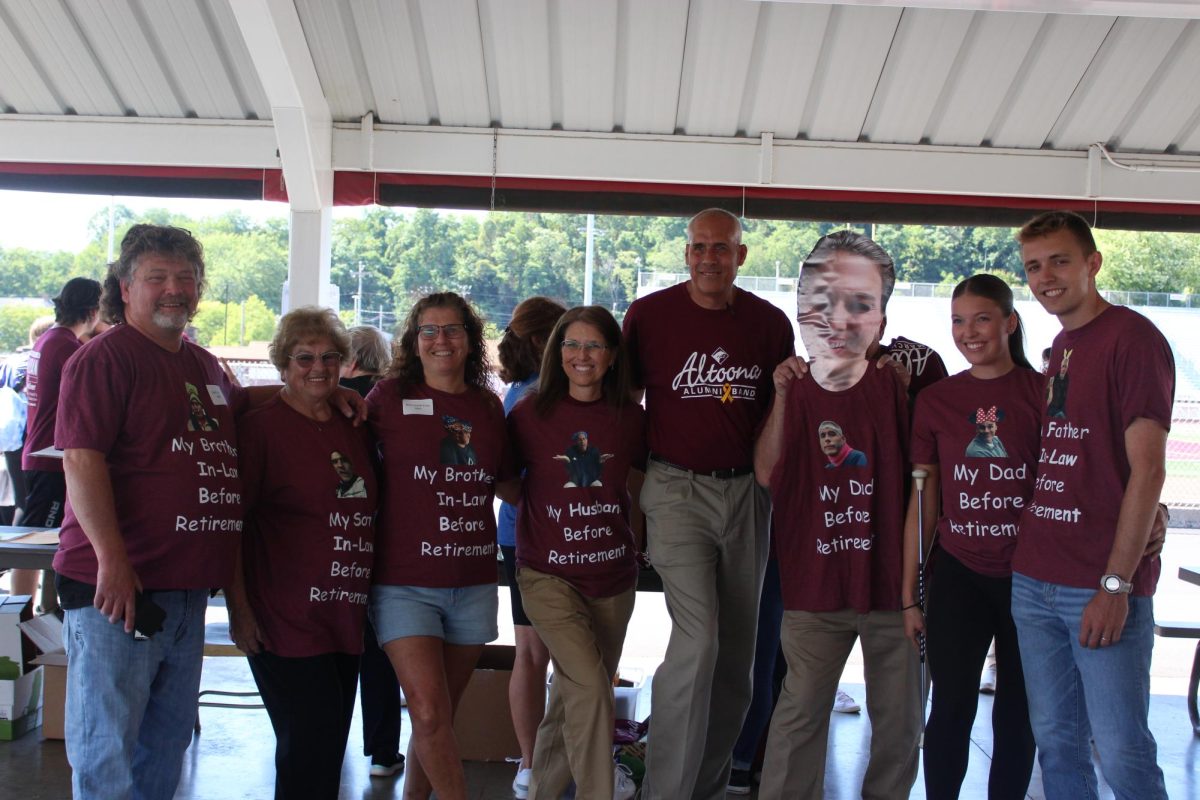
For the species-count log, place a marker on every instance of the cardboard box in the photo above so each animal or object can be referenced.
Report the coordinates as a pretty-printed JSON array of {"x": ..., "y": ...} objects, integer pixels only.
[
  {"x": 483, "y": 724},
  {"x": 20, "y": 704},
  {"x": 46, "y": 634},
  {"x": 16, "y": 651}
]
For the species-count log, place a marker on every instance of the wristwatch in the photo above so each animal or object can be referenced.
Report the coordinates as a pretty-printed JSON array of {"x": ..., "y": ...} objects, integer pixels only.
[{"x": 1115, "y": 584}]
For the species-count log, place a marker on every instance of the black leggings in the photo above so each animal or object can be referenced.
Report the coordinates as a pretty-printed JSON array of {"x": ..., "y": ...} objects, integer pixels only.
[{"x": 966, "y": 610}]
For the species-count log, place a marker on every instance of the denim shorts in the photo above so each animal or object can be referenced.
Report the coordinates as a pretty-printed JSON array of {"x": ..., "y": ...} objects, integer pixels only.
[{"x": 463, "y": 616}]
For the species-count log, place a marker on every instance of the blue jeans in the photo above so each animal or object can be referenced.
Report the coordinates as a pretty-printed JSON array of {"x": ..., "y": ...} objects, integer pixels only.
[
  {"x": 131, "y": 705},
  {"x": 1076, "y": 693}
]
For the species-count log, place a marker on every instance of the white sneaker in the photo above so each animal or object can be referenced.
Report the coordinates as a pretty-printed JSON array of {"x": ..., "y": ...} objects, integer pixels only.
[
  {"x": 521, "y": 783},
  {"x": 845, "y": 704},
  {"x": 623, "y": 786},
  {"x": 987, "y": 683}
]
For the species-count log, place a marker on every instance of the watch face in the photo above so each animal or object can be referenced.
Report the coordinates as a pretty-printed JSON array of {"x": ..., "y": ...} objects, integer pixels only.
[{"x": 1112, "y": 583}]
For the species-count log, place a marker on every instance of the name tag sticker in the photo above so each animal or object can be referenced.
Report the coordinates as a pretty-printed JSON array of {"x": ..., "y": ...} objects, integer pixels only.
[
  {"x": 216, "y": 395},
  {"x": 423, "y": 407}
]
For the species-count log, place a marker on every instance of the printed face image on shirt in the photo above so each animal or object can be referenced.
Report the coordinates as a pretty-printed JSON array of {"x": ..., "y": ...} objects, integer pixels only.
[
  {"x": 456, "y": 447},
  {"x": 1056, "y": 389},
  {"x": 837, "y": 451},
  {"x": 198, "y": 417},
  {"x": 583, "y": 461},
  {"x": 986, "y": 441},
  {"x": 350, "y": 483}
]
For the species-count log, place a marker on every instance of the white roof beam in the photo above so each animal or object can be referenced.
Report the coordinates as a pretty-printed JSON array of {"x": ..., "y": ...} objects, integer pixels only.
[
  {"x": 303, "y": 123},
  {"x": 1170, "y": 9},
  {"x": 844, "y": 166},
  {"x": 847, "y": 166},
  {"x": 45, "y": 139}
]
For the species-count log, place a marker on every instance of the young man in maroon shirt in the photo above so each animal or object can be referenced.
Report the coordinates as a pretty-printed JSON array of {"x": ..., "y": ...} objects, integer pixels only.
[
  {"x": 704, "y": 351},
  {"x": 76, "y": 313},
  {"x": 1082, "y": 584}
]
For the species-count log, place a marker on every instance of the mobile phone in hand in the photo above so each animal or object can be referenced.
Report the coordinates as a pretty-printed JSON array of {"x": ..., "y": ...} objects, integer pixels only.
[{"x": 148, "y": 616}]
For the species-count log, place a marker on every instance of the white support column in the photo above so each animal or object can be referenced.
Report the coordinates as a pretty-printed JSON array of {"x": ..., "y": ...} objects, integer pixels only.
[
  {"x": 304, "y": 131},
  {"x": 309, "y": 248}
]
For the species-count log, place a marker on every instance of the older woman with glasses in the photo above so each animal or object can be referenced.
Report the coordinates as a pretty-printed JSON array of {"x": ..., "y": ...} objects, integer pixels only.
[
  {"x": 443, "y": 444},
  {"x": 299, "y": 597},
  {"x": 581, "y": 440}
]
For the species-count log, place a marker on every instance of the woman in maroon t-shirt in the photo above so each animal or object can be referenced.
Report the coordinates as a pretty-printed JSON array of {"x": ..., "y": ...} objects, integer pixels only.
[
  {"x": 581, "y": 441},
  {"x": 443, "y": 445},
  {"x": 976, "y": 434},
  {"x": 300, "y": 593}
]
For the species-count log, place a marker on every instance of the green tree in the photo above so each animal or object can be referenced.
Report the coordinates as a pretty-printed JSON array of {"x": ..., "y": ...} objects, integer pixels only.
[
  {"x": 364, "y": 242},
  {"x": 15, "y": 319},
  {"x": 1143, "y": 261},
  {"x": 220, "y": 323},
  {"x": 241, "y": 265}
]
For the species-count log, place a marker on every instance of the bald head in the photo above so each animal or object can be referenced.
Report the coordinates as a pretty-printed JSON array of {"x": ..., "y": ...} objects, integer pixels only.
[{"x": 719, "y": 215}]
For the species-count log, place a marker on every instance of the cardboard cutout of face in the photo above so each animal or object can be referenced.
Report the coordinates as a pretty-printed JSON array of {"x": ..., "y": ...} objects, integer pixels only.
[{"x": 839, "y": 307}]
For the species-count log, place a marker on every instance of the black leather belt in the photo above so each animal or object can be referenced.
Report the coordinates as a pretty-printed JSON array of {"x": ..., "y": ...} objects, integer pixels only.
[{"x": 719, "y": 474}]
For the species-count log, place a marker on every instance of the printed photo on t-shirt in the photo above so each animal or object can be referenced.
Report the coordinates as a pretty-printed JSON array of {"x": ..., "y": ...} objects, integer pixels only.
[
  {"x": 198, "y": 417},
  {"x": 836, "y": 449},
  {"x": 350, "y": 483},
  {"x": 584, "y": 462},
  {"x": 986, "y": 442},
  {"x": 456, "y": 447},
  {"x": 1056, "y": 392}
]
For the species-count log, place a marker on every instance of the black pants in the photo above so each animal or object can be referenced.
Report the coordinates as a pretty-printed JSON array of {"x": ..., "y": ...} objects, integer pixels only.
[
  {"x": 380, "y": 699},
  {"x": 12, "y": 462},
  {"x": 310, "y": 701},
  {"x": 966, "y": 610}
]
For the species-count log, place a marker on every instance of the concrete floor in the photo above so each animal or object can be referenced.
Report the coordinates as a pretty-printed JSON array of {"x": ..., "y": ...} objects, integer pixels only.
[{"x": 232, "y": 756}]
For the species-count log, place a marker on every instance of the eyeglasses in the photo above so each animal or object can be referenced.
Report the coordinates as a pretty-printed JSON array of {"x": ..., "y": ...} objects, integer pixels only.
[
  {"x": 331, "y": 358},
  {"x": 455, "y": 330},
  {"x": 572, "y": 346}
]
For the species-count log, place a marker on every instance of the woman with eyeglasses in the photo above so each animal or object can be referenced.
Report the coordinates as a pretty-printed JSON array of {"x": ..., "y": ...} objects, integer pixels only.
[
  {"x": 443, "y": 446},
  {"x": 299, "y": 597},
  {"x": 520, "y": 352},
  {"x": 581, "y": 440}
]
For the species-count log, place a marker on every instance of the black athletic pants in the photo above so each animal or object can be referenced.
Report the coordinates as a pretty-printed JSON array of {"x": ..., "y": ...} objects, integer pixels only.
[
  {"x": 380, "y": 699},
  {"x": 966, "y": 610}
]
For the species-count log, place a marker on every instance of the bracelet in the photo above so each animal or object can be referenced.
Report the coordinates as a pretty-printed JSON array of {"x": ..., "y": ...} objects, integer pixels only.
[{"x": 914, "y": 605}]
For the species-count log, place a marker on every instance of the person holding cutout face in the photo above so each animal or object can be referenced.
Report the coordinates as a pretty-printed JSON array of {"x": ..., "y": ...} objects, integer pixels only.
[{"x": 839, "y": 531}]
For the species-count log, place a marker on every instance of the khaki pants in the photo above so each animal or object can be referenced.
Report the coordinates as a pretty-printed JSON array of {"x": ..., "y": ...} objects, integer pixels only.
[
  {"x": 584, "y": 635},
  {"x": 708, "y": 542},
  {"x": 816, "y": 646}
]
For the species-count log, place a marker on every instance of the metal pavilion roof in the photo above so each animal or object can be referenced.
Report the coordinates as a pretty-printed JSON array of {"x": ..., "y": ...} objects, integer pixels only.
[{"x": 872, "y": 102}]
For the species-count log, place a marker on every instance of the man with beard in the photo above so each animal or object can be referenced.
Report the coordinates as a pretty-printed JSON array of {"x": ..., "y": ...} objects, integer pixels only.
[{"x": 152, "y": 520}]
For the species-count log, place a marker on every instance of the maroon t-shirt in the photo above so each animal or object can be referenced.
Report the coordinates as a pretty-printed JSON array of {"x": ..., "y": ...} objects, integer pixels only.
[
  {"x": 925, "y": 366},
  {"x": 839, "y": 521},
  {"x": 983, "y": 435},
  {"x": 707, "y": 374},
  {"x": 1104, "y": 375},
  {"x": 310, "y": 530},
  {"x": 42, "y": 380},
  {"x": 165, "y": 424},
  {"x": 442, "y": 455},
  {"x": 573, "y": 519}
]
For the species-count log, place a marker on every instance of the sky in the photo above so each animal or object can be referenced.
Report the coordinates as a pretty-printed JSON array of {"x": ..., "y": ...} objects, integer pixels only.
[{"x": 53, "y": 221}]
